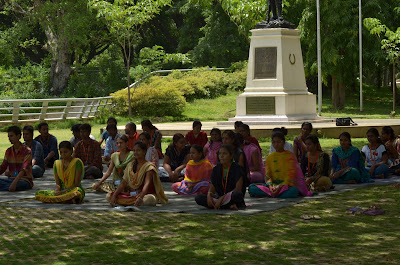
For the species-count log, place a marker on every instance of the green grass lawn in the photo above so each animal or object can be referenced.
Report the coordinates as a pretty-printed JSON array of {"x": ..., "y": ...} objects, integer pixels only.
[
  {"x": 376, "y": 105},
  {"x": 221, "y": 108},
  {"x": 278, "y": 237}
]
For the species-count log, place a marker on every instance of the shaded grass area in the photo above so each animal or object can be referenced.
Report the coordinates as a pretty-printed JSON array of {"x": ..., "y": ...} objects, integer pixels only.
[
  {"x": 277, "y": 237},
  {"x": 377, "y": 104}
]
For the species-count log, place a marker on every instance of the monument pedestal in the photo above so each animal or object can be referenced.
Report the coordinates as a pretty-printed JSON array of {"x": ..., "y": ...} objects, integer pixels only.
[{"x": 276, "y": 90}]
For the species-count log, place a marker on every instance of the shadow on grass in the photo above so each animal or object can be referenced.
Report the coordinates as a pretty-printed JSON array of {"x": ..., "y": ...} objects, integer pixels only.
[{"x": 278, "y": 237}]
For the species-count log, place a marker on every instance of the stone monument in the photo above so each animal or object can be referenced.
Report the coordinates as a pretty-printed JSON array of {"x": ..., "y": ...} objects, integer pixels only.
[{"x": 276, "y": 91}]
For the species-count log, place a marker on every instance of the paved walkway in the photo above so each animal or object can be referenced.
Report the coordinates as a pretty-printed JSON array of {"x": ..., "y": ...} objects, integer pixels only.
[
  {"x": 95, "y": 201},
  {"x": 326, "y": 128}
]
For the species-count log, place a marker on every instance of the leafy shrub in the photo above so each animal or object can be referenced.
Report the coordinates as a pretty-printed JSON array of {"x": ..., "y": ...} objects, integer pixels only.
[
  {"x": 27, "y": 81},
  {"x": 167, "y": 96},
  {"x": 236, "y": 80},
  {"x": 237, "y": 67},
  {"x": 197, "y": 84},
  {"x": 150, "y": 101}
]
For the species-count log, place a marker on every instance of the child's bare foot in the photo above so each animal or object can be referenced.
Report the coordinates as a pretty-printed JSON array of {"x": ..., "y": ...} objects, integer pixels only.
[
  {"x": 381, "y": 176},
  {"x": 351, "y": 182},
  {"x": 233, "y": 207}
]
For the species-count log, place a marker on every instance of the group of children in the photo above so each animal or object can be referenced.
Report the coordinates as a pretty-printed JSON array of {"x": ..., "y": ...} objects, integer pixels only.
[{"x": 218, "y": 171}]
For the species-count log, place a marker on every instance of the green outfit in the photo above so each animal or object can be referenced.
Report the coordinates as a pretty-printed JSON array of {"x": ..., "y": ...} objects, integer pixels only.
[{"x": 66, "y": 175}]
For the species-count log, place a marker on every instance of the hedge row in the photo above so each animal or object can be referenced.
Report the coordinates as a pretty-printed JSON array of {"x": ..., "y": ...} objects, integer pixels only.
[{"x": 167, "y": 96}]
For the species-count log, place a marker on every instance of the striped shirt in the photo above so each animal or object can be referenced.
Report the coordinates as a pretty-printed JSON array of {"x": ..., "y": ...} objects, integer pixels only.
[
  {"x": 90, "y": 153},
  {"x": 18, "y": 161}
]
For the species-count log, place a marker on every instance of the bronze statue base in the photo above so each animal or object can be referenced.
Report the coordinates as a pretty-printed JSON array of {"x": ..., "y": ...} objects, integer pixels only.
[{"x": 275, "y": 24}]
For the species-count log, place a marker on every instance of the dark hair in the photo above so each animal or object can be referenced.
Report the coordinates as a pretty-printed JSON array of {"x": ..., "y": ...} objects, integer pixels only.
[
  {"x": 176, "y": 138},
  {"x": 146, "y": 135},
  {"x": 15, "y": 129},
  {"x": 111, "y": 126},
  {"x": 123, "y": 137},
  {"x": 239, "y": 140},
  {"x": 279, "y": 135},
  {"x": 112, "y": 120},
  {"x": 314, "y": 139},
  {"x": 374, "y": 131},
  {"x": 29, "y": 129},
  {"x": 85, "y": 127},
  {"x": 132, "y": 125},
  {"x": 196, "y": 123},
  {"x": 142, "y": 146},
  {"x": 228, "y": 148},
  {"x": 216, "y": 130},
  {"x": 245, "y": 127},
  {"x": 283, "y": 130},
  {"x": 389, "y": 130},
  {"x": 238, "y": 123},
  {"x": 147, "y": 123},
  {"x": 347, "y": 135},
  {"x": 233, "y": 136},
  {"x": 41, "y": 125},
  {"x": 66, "y": 144},
  {"x": 76, "y": 127},
  {"x": 306, "y": 123},
  {"x": 199, "y": 149}
]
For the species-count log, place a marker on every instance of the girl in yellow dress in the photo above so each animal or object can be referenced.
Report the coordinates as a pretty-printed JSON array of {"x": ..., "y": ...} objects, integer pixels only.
[{"x": 68, "y": 173}]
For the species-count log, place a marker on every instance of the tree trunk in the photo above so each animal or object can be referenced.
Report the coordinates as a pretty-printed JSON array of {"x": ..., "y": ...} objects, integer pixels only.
[
  {"x": 396, "y": 92},
  {"x": 60, "y": 70},
  {"x": 379, "y": 79},
  {"x": 335, "y": 93},
  {"x": 394, "y": 86},
  {"x": 342, "y": 94},
  {"x": 129, "y": 90},
  {"x": 386, "y": 78},
  {"x": 354, "y": 84}
]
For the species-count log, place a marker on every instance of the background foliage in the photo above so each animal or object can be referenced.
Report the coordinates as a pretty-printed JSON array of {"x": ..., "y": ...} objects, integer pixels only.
[{"x": 184, "y": 34}]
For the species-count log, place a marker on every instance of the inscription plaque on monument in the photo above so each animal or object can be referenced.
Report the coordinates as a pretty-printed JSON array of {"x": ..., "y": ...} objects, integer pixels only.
[
  {"x": 260, "y": 105},
  {"x": 265, "y": 63}
]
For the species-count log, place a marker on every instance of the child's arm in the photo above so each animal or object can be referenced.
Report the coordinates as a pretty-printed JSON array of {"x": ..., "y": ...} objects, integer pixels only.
[
  {"x": 57, "y": 190},
  {"x": 78, "y": 174}
]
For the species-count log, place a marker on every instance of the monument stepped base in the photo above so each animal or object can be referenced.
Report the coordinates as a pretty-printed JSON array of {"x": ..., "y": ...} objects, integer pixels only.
[{"x": 276, "y": 119}]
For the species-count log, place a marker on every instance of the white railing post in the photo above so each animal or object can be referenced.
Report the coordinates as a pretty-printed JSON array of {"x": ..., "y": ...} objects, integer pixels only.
[
  {"x": 95, "y": 107},
  {"x": 83, "y": 109},
  {"x": 66, "y": 110},
  {"x": 15, "y": 115},
  {"x": 43, "y": 112}
]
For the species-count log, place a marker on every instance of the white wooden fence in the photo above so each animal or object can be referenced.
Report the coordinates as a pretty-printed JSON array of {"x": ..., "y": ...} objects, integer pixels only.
[{"x": 32, "y": 110}]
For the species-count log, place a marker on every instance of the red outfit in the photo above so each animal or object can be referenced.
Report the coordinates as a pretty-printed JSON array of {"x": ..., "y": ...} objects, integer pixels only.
[
  {"x": 90, "y": 153},
  {"x": 201, "y": 138},
  {"x": 16, "y": 162},
  {"x": 253, "y": 140},
  {"x": 132, "y": 140}
]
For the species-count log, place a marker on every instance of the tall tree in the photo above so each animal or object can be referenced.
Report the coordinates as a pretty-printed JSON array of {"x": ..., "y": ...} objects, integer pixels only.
[
  {"x": 73, "y": 34},
  {"x": 124, "y": 20},
  {"x": 390, "y": 42},
  {"x": 339, "y": 41},
  {"x": 339, "y": 38}
]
